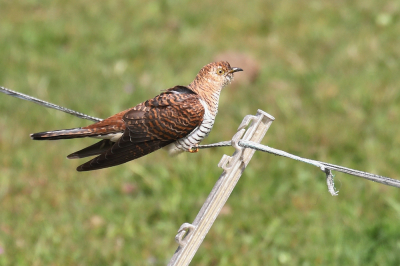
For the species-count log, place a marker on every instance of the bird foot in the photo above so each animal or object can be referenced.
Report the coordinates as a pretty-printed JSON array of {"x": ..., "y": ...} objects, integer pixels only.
[{"x": 194, "y": 148}]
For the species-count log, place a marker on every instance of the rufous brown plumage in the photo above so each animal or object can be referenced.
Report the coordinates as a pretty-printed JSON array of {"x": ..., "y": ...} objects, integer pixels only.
[{"x": 177, "y": 119}]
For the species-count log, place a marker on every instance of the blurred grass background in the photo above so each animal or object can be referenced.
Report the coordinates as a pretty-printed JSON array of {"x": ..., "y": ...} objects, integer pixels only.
[{"x": 328, "y": 71}]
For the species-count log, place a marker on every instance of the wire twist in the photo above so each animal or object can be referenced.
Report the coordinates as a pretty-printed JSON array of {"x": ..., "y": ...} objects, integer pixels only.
[{"x": 325, "y": 167}]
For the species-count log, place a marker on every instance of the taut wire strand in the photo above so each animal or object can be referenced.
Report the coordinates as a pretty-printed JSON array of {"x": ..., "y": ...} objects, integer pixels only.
[
  {"x": 243, "y": 143},
  {"x": 322, "y": 165},
  {"x": 47, "y": 104}
]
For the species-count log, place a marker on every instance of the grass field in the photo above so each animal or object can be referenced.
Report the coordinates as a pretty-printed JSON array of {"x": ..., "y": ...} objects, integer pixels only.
[{"x": 328, "y": 71}]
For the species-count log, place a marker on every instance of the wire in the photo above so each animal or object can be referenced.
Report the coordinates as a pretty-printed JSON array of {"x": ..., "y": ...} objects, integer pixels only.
[
  {"x": 322, "y": 165},
  {"x": 47, "y": 104},
  {"x": 325, "y": 167}
]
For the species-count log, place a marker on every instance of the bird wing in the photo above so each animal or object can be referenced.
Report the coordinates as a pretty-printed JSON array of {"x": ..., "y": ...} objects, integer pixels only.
[{"x": 150, "y": 126}]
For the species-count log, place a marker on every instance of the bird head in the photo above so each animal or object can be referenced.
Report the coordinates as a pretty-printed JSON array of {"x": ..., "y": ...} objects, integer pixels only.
[{"x": 215, "y": 75}]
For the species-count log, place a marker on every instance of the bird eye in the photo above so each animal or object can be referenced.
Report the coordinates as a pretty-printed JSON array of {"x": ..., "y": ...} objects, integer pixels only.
[{"x": 220, "y": 71}]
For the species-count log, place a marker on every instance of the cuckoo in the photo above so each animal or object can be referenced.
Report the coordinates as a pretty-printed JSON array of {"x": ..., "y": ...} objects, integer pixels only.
[{"x": 178, "y": 119}]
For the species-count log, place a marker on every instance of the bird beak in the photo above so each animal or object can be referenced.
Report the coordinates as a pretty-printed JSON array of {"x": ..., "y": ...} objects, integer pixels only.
[{"x": 235, "y": 69}]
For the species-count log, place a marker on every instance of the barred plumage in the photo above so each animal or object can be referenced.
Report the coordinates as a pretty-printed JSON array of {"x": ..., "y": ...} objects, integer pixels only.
[{"x": 177, "y": 119}]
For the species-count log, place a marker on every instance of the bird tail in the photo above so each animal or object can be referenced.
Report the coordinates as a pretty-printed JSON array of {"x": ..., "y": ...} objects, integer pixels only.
[
  {"x": 64, "y": 134},
  {"x": 95, "y": 149}
]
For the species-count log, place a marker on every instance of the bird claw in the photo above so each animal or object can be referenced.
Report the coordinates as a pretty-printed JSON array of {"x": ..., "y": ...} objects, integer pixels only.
[{"x": 194, "y": 148}]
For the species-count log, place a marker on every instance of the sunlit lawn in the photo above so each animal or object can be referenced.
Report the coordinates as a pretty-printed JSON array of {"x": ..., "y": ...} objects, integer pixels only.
[{"x": 328, "y": 71}]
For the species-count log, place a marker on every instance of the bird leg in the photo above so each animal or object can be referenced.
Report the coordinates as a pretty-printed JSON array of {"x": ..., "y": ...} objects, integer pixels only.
[{"x": 194, "y": 148}]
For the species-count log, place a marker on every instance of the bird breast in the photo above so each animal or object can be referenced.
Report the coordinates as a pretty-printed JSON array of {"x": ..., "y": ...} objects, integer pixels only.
[{"x": 196, "y": 136}]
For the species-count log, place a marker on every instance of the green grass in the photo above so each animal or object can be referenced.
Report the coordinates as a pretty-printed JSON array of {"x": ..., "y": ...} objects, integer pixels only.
[{"x": 329, "y": 74}]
